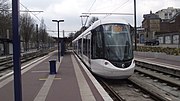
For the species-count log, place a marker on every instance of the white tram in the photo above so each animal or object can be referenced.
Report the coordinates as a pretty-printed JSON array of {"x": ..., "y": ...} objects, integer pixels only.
[{"x": 106, "y": 48}]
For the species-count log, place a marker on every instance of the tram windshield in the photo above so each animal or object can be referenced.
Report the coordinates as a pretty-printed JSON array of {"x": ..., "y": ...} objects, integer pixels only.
[{"x": 117, "y": 40}]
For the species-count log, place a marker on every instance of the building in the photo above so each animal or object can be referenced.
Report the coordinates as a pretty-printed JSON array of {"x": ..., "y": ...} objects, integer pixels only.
[
  {"x": 170, "y": 31},
  {"x": 163, "y": 25},
  {"x": 151, "y": 24},
  {"x": 140, "y": 35},
  {"x": 166, "y": 14}
]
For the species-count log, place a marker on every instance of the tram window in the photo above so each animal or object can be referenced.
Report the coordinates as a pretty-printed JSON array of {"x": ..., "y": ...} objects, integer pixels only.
[
  {"x": 85, "y": 46},
  {"x": 88, "y": 44},
  {"x": 79, "y": 46},
  {"x": 74, "y": 46},
  {"x": 97, "y": 46}
]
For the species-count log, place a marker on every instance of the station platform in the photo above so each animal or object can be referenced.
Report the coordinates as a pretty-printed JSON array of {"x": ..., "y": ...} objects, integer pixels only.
[{"x": 73, "y": 82}]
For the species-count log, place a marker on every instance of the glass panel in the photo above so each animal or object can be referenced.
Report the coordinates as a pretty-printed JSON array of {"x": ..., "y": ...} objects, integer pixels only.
[
  {"x": 97, "y": 46},
  {"x": 160, "y": 39},
  {"x": 88, "y": 45},
  {"x": 167, "y": 39},
  {"x": 118, "y": 46},
  {"x": 84, "y": 46},
  {"x": 175, "y": 39},
  {"x": 79, "y": 46}
]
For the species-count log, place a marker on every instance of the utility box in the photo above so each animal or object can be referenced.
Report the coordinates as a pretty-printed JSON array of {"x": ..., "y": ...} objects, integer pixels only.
[{"x": 52, "y": 66}]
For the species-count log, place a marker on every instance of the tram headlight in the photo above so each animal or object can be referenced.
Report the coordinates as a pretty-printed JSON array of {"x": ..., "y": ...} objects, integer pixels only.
[{"x": 106, "y": 63}]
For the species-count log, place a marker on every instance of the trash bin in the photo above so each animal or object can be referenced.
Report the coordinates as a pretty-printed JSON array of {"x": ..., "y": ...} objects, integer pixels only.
[{"x": 52, "y": 66}]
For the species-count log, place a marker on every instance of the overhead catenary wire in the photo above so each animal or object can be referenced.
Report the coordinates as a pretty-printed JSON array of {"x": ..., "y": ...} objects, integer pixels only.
[
  {"x": 109, "y": 13},
  {"x": 20, "y": 10},
  {"x": 117, "y": 8},
  {"x": 34, "y": 15},
  {"x": 86, "y": 16},
  {"x": 91, "y": 5},
  {"x": 120, "y": 6},
  {"x": 117, "y": 5},
  {"x": 30, "y": 12}
]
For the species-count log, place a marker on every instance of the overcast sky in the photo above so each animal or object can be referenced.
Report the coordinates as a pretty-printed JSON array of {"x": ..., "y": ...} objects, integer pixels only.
[{"x": 70, "y": 10}]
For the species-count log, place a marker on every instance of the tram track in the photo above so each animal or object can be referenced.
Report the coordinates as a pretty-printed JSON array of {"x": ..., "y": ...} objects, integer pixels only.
[
  {"x": 165, "y": 82},
  {"x": 160, "y": 68},
  {"x": 145, "y": 84},
  {"x": 125, "y": 90},
  {"x": 161, "y": 91},
  {"x": 6, "y": 64}
]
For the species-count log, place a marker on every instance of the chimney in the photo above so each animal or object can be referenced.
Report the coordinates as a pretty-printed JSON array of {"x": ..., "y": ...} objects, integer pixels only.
[{"x": 150, "y": 12}]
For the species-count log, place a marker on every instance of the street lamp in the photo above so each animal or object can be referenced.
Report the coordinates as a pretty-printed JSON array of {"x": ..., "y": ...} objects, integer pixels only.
[{"x": 58, "y": 36}]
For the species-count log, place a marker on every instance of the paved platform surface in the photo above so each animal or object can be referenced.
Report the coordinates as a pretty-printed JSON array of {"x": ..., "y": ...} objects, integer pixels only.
[{"x": 71, "y": 83}]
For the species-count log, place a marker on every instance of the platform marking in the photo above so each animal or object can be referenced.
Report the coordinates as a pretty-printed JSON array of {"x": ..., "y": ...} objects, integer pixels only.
[
  {"x": 9, "y": 76},
  {"x": 45, "y": 89},
  {"x": 44, "y": 79},
  {"x": 41, "y": 96},
  {"x": 40, "y": 71},
  {"x": 85, "y": 91},
  {"x": 100, "y": 89},
  {"x": 150, "y": 58}
]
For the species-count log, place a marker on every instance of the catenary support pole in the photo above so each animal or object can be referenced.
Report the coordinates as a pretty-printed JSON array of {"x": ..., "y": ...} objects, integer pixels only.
[
  {"x": 135, "y": 28},
  {"x": 16, "y": 51}
]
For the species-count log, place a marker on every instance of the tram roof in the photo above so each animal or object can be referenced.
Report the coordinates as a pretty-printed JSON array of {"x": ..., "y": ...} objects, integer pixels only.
[
  {"x": 101, "y": 22},
  {"x": 107, "y": 21}
]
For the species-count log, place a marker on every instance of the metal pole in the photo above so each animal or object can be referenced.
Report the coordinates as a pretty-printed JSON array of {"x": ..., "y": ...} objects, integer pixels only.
[
  {"x": 62, "y": 45},
  {"x": 58, "y": 37},
  {"x": 178, "y": 41},
  {"x": 37, "y": 37},
  {"x": 58, "y": 43},
  {"x": 84, "y": 24},
  {"x": 16, "y": 51},
  {"x": 135, "y": 29},
  {"x": 63, "y": 33}
]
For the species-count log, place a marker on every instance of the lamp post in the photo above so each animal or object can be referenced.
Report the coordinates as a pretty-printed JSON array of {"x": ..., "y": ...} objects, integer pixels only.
[{"x": 58, "y": 36}]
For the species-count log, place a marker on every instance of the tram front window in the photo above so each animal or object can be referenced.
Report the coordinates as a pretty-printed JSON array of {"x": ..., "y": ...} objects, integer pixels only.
[{"x": 117, "y": 40}]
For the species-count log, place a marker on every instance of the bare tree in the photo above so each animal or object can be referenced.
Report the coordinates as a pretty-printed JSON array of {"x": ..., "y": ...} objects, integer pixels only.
[
  {"x": 92, "y": 20},
  {"x": 27, "y": 29},
  {"x": 4, "y": 7},
  {"x": 5, "y": 26},
  {"x": 43, "y": 35},
  {"x": 5, "y": 18}
]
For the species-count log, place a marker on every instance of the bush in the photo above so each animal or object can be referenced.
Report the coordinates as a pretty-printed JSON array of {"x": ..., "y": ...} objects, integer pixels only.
[{"x": 167, "y": 50}]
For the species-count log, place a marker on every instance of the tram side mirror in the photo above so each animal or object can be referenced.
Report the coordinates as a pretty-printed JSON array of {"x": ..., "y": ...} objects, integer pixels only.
[{"x": 131, "y": 29}]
